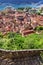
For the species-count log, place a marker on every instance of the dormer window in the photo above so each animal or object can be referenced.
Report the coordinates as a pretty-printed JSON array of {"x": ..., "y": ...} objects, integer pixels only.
[{"x": 20, "y": 18}]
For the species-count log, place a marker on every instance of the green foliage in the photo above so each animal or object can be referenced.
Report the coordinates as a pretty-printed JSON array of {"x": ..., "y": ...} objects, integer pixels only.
[
  {"x": 34, "y": 41},
  {"x": 14, "y": 41},
  {"x": 38, "y": 28},
  {"x": 22, "y": 8},
  {"x": 38, "y": 11},
  {"x": 1, "y": 36}
]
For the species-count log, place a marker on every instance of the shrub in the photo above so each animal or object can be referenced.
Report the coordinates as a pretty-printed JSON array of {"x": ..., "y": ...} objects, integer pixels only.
[
  {"x": 14, "y": 41},
  {"x": 38, "y": 28}
]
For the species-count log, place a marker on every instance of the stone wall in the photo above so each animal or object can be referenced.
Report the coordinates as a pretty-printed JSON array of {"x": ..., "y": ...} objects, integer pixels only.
[{"x": 27, "y": 57}]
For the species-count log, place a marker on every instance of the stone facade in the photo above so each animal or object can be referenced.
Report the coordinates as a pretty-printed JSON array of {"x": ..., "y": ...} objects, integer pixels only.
[{"x": 20, "y": 58}]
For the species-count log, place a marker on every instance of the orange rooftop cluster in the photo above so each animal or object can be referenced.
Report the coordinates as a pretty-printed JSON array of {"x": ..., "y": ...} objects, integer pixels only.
[{"x": 19, "y": 22}]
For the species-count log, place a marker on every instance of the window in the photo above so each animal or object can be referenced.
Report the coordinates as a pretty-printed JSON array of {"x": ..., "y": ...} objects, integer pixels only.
[{"x": 20, "y": 18}]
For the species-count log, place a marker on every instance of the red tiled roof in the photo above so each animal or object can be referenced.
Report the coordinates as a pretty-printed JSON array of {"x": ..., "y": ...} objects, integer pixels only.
[
  {"x": 25, "y": 32},
  {"x": 0, "y": 17},
  {"x": 38, "y": 19}
]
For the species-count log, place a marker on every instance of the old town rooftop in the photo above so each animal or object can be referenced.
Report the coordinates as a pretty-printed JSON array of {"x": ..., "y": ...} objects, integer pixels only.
[{"x": 18, "y": 20}]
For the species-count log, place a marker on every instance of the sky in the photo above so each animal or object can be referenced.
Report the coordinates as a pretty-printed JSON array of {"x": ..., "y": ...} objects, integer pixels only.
[{"x": 20, "y": 1}]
